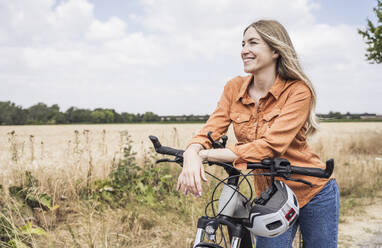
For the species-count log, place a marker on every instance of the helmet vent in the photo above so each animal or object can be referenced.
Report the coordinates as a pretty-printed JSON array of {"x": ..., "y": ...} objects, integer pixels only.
[
  {"x": 274, "y": 225},
  {"x": 295, "y": 200}
]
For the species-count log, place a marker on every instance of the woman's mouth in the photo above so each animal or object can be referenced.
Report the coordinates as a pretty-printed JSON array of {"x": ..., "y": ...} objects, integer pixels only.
[{"x": 248, "y": 60}]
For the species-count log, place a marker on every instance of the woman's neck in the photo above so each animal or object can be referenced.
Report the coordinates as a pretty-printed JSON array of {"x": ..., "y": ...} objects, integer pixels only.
[{"x": 263, "y": 81}]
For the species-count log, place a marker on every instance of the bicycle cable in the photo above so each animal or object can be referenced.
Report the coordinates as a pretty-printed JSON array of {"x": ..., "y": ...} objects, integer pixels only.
[{"x": 223, "y": 181}]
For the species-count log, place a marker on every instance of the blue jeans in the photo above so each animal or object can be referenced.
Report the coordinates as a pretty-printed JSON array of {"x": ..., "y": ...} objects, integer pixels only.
[{"x": 318, "y": 222}]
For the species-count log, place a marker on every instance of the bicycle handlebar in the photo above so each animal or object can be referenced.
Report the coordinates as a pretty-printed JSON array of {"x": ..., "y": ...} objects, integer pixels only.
[
  {"x": 281, "y": 165},
  {"x": 165, "y": 150},
  {"x": 316, "y": 172}
]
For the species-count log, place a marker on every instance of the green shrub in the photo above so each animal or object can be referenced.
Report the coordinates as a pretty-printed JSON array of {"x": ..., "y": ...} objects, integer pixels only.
[
  {"x": 148, "y": 184},
  {"x": 27, "y": 197},
  {"x": 30, "y": 193}
]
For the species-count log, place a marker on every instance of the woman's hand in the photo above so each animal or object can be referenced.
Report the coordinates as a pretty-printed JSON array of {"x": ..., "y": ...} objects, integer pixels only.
[
  {"x": 218, "y": 155},
  {"x": 192, "y": 172}
]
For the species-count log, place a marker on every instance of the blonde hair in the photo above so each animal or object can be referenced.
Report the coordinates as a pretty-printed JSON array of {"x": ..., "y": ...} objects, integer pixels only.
[{"x": 288, "y": 67}]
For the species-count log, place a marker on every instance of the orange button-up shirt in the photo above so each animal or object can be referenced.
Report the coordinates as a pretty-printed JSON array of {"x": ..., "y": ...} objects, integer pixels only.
[{"x": 273, "y": 128}]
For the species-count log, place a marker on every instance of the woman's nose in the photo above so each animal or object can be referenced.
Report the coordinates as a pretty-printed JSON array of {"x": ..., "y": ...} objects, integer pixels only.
[{"x": 244, "y": 51}]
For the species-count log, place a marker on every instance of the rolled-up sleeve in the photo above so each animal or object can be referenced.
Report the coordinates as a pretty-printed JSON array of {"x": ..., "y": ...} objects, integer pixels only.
[
  {"x": 218, "y": 122},
  {"x": 276, "y": 140}
]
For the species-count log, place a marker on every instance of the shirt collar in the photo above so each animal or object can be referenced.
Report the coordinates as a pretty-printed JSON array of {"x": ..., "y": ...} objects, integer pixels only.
[{"x": 275, "y": 90}]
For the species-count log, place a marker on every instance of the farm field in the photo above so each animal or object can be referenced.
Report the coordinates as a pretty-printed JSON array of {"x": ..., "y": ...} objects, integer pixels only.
[{"x": 66, "y": 160}]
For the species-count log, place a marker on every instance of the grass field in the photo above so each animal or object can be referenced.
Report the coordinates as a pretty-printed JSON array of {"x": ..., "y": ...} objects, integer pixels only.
[{"x": 69, "y": 166}]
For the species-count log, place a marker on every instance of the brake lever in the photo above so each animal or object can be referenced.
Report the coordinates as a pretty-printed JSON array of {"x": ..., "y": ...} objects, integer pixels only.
[
  {"x": 224, "y": 142},
  {"x": 176, "y": 160},
  {"x": 299, "y": 181},
  {"x": 217, "y": 144},
  {"x": 213, "y": 142},
  {"x": 163, "y": 160}
]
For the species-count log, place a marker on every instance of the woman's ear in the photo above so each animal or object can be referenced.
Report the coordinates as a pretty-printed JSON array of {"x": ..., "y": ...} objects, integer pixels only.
[{"x": 275, "y": 54}]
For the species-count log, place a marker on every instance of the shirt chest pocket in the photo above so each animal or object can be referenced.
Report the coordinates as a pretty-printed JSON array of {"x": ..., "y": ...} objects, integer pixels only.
[
  {"x": 270, "y": 117},
  {"x": 240, "y": 124},
  {"x": 267, "y": 121}
]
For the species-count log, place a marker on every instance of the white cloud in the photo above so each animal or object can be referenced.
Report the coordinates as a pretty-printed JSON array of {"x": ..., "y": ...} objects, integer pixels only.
[
  {"x": 61, "y": 53},
  {"x": 207, "y": 28},
  {"x": 334, "y": 58},
  {"x": 113, "y": 29}
]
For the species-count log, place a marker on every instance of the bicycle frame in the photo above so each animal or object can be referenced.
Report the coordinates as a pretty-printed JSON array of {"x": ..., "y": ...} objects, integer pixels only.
[{"x": 233, "y": 207}]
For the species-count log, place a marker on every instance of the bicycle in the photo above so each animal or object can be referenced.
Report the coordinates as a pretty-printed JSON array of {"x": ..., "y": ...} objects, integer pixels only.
[{"x": 234, "y": 209}]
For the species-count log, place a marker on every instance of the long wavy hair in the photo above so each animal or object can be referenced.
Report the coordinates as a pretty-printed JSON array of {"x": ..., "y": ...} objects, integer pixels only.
[{"x": 288, "y": 66}]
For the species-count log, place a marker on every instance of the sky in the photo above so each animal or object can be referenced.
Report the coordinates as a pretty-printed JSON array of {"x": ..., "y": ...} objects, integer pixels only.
[{"x": 175, "y": 56}]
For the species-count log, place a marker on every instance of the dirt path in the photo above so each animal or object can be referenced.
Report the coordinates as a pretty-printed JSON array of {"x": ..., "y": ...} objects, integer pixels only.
[{"x": 364, "y": 228}]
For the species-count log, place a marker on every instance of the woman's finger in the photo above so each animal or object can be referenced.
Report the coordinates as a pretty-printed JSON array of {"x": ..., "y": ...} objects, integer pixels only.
[
  {"x": 203, "y": 174},
  {"x": 180, "y": 182},
  {"x": 190, "y": 182},
  {"x": 198, "y": 185}
]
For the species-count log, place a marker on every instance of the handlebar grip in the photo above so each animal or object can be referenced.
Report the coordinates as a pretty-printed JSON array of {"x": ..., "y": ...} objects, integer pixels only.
[
  {"x": 164, "y": 149},
  {"x": 315, "y": 172}
]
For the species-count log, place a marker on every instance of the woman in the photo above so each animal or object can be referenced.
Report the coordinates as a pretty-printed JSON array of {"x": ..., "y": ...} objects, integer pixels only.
[{"x": 272, "y": 111}]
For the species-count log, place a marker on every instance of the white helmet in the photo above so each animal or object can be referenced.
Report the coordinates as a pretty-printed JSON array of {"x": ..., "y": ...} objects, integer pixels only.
[{"x": 276, "y": 215}]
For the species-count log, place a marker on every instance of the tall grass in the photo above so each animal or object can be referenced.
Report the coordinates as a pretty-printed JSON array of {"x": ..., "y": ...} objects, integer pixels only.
[
  {"x": 358, "y": 164},
  {"x": 89, "y": 207}
]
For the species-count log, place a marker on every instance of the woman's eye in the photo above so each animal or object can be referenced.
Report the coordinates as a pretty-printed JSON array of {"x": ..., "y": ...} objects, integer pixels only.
[{"x": 250, "y": 42}]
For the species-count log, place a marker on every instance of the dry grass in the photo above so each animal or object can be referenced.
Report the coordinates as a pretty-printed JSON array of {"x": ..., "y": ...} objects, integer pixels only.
[
  {"x": 66, "y": 158},
  {"x": 357, "y": 149}
]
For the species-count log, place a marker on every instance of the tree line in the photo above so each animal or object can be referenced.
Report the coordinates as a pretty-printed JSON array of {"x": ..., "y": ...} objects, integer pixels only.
[
  {"x": 349, "y": 116},
  {"x": 40, "y": 113}
]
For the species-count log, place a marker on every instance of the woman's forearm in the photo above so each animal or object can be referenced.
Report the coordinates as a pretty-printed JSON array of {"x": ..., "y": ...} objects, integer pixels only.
[{"x": 219, "y": 155}]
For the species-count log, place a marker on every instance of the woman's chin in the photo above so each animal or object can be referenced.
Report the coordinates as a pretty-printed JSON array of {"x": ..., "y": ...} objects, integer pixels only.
[{"x": 248, "y": 69}]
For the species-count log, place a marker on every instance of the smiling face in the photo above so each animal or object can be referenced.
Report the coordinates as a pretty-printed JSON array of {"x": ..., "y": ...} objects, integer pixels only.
[{"x": 256, "y": 54}]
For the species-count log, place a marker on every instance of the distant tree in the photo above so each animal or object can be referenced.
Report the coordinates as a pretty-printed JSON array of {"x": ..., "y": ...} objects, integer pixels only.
[
  {"x": 98, "y": 116},
  {"x": 59, "y": 118},
  {"x": 102, "y": 116},
  {"x": 42, "y": 114},
  {"x": 373, "y": 36},
  {"x": 55, "y": 115},
  {"x": 19, "y": 116},
  {"x": 75, "y": 115},
  {"x": 335, "y": 115},
  {"x": 10, "y": 114},
  {"x": 128, "y": 117},
  {"x": 109, "y": 116},
  {"x": 150, "y": 117},
  {"x": 117, "y": 116},
  {"x": 38, "y": 114},
  {"x": 138, "y": 117}
]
